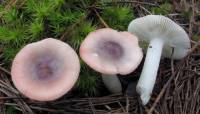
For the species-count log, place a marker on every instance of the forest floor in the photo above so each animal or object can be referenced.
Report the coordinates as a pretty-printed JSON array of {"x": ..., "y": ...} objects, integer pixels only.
[{"x": 177, "y": 89}]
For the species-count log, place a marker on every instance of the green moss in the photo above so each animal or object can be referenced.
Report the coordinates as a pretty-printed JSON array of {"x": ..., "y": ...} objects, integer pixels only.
[
  {"x": 80, "y": 33},
  {"x": 10, "y": 110},
  {"x": 39, "y": 9},
  {"x": 57, "y": 29},
  {"x": 163, "y": 9},
  {"x": 1, "y": 8},
  {"x": 58, "y": 3},
  {"x": 118, "y": 17},
  {"x": 34, "y": 21},
  {"x": 12, "y": 36},
  {"x": 88, "y": 82},
  {"x": 9, "y": 54},
  {"x": 4, "y": 33},
  {"x": 187, "y": 14},
  {"x": 89, "y": 2},
  {"x": 36, "y": 28},
  {"x": 196, "y": 37},
  {"x": 61, "y": 20},
  {"x": 10, "y": 16}
]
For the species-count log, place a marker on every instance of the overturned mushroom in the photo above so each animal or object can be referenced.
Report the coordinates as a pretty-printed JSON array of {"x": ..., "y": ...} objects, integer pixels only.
[
  {"x": 45, "y": 70},
  {"x": 166, "y": 38},
  {"x": 111, "y": 52}
]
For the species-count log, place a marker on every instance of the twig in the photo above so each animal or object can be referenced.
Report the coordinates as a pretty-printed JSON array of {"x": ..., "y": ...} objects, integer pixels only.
[
  {"x": 191, "y": 20},
  {"x": 138, "y": 2},
  {"x": 10, "y": 3},
  {"x": 83, "y": 3},
  {"x": 145, "y": 10},
  {"x": 8, "y": 98},
  {"x": 49, "y": 110},
  {"x": 108, "y": 107},
  {"x": 172, "y": 61},
  {"x": 22, "y": 3},
  {"x": 122, "y": 108},
  {"x": 194, "y": 47},
  {"x": 127, "y": 104},
  {"x": 4, "y": 70},
  {"x": 101, "y": 19},
  {"x": 40, "y": 108},
  {"x": 92, "y": 107}
]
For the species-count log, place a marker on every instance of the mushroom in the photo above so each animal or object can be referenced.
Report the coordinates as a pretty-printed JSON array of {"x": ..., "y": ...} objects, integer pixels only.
[
  {"x": 165, "y": 38},
  {"x": 111, "y": 52},
  {"x": 45, "y": 70}
]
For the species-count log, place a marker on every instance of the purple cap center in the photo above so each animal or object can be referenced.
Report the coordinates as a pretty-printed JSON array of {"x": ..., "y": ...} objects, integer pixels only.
[
  {"x": 45, "y": 68},
  {"x": 111, "y": 50}
]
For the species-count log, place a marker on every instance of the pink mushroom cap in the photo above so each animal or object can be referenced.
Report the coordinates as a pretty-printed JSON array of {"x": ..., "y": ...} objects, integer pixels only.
[
  {"x": 45, "y": 70},
  {"x": 111, "y": 52}
]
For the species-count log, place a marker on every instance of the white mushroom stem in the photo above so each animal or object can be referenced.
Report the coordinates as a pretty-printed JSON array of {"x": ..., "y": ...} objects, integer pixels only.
[
  {"x": 148, "y": 76},
  {"x": 112, "y": 83}
]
